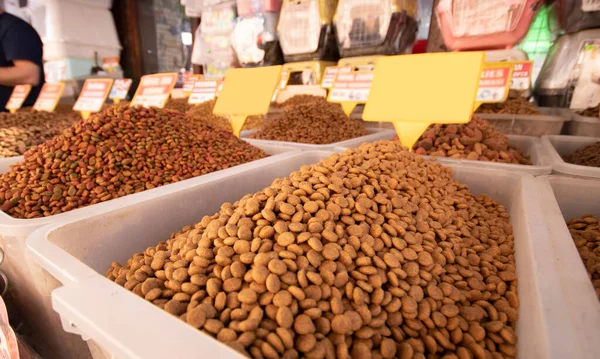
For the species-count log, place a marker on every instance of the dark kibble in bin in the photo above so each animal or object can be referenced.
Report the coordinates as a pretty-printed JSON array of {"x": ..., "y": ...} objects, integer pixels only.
[
  {"x": 590, "y": 112},
  {"x": 514, "y": 106},
  {"x": 586, "y": 235},
  {"x": 587, "y": 156},
  {"x": 26, "y": 128},
  {"x": 476, "y": 140},
  {"x": 115, "y": 153},
  {"x": 315, "y": 121}
]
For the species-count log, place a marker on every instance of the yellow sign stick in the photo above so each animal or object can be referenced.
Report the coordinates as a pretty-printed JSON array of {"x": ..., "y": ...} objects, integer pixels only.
[
  {"x": 246, "y": 92},
  {"x": 414, "y": 91}
]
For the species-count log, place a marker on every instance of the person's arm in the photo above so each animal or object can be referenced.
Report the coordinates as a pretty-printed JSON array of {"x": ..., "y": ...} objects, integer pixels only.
[
  {"x": 23, "y": 47},
  {"x": 23, "y": 72}
]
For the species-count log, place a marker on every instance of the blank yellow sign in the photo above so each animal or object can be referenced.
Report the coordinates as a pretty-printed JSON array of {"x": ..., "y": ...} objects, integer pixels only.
[
  {"x": 424, "y": 89},
  {"x": 247, "y": 92}
]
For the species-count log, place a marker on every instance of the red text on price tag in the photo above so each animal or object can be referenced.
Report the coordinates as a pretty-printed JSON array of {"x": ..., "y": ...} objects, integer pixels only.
[
  {"x": 493, "y": 84},
  {"x": 331, "y": 72},
  {"x": 521, "y": 78},
  {"x": 18, "y": 97},
  {"x": 93, "y": 95},
  {"x": 352, "y": 87},
  {"x": 154, "y": 90},
  {"x": 203, "y": 91},
  {"x": 190, "y": 80},
  {"x": 49, "y": 97}
]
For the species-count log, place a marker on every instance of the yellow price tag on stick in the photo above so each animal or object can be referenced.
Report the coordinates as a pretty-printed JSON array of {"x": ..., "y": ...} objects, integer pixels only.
[
  {"x": 414, "y": 91},
  {"x": 246, "y": 92},
  {"x": 93, "y": 96},
  {"x": 49, "y": 97},
  {"x": 351, "y": 89},
  {"x": 494, "y": 83},
  {"x": 18, "y": 97}
]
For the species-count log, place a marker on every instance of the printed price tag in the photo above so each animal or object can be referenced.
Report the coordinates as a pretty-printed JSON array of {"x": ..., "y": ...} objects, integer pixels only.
[
  {"x": 154, "y": 90},
  {"x": 203, "y": 91},
  {"x": 111, "y": 64},
  {"x": 331, "y": 72},
  {"x": 93, "y": 96},
  {"x": 350, "y": 89},
  {"x": 18, "y": 97},
  {"x": 188, "y": 85},
  {"x": 590, "y": 5},
  {"x": 120, "y": 89},
  {"x": 494, "y": 83},
  {"x": 405, "y": 85},
  {"x": 521, "y": 77},
  {"x": 49, "y": 97},
  {"x": 236, "y": 102}
]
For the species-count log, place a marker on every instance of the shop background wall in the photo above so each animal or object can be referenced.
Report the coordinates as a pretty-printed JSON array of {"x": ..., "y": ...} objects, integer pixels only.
[{"x": 168, "y": 16}]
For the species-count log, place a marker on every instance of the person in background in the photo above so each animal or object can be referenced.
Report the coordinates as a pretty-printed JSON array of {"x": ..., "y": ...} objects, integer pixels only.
[{"x": 21, "y": 63}]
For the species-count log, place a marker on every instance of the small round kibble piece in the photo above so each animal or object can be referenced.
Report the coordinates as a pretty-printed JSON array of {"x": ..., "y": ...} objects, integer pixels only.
[
  {"x": 303, "y": 324},
  {"x": 399, "y": 261}
]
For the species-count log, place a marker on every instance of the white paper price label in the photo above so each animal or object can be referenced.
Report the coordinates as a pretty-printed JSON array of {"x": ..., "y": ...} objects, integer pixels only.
[
  {"x": 203, "y": 91},
  {"x": 190, "y": 80},
  {"x": 521, "y": 77},
  {"x": 351, "y": 87},
  {"x": 120, "y": 89},
  {"x": 18, "y": 97},
  {"x": 49, "y": 97},
  {"x": 590, "y": 5},
  {"x": 93, "y": 95},
  {"x": 493, "y": 84},
  {"x": 331, "y": 72},
  {"x": 154, "y": 90}
]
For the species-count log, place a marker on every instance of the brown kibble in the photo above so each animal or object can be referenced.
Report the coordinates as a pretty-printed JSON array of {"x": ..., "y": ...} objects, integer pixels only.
[
  {"x": 370, "y": 253},
  {"x": 277, "y": 267},
  {"x": 247, "y": 296},
  {"x": 341, "y": 324},
  {"x": 286, "y": 238},
  {"x": 388, "y": 348},
  {"x": 175, "y": 307},
  {"x": 303, "y": 324},
  {"x": 306, "y": 343},
  {"x": 196, "y": 318},
  {"x": 449, "y": 310},
  {"x": 285, "y": 317},
  {"x": 117, "y": 152}
]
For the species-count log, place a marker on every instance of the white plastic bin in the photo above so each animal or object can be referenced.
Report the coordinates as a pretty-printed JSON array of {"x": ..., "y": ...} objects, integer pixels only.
[
  {"x": 584, "y": 126},
  {"x": 5, "y": 163},
  {"x": 564, "y": 198},
  {"x": 550, "y": 122},
  {"x": 31, "y": 283},
  {"x": 70, "y": 29},
  {"x": 530, "y": 146},
  {"x": 559, "y": 146},
  {"x": 375, "y": 134},
  {"x": 78, "y": 252}
]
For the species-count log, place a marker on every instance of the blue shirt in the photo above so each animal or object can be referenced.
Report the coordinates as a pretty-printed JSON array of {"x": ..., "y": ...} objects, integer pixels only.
[{"x": 19, "y": 41}]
